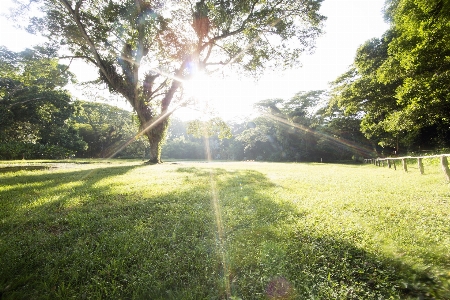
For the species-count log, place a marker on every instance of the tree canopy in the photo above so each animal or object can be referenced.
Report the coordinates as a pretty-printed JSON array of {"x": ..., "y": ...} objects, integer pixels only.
[
  {"x": 144, "y": 50},
  {"x": 398, "y": 85}
]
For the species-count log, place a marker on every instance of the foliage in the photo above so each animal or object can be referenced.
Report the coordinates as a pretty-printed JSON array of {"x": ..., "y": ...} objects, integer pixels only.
[
  {"x": 95, "y": 229},
  {"x": 34, "y": 109},
  {"x": 299, "y": 129},
  {"x": 144, "y": 50},
  {"x": 182, "y": 148},
  {"x": 398, "y": 84},
  {"x": 260, "y": 140},
  {"x": 419, "y": 52},
  {"x": 107, "y": 129},
  {"x": 360, "y": 95},
  {"x": 341, "y": 139},
  {"x": 188, "y": 140},
  {"x": 214, "y": 127}
]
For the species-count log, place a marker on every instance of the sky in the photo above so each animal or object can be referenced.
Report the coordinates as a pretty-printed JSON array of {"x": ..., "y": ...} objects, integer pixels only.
[{"x": 350, "y": 23}]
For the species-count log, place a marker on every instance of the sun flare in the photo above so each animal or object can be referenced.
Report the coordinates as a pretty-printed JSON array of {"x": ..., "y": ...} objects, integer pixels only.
[
  {"x": 199, "y": 87},
  {"x": 218, "y": 95}
]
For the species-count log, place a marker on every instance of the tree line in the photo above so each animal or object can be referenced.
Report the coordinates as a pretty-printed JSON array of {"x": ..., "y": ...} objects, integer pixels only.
[
  {"x": 297, "y": 130},
  {"x": 39, "y": 119}
]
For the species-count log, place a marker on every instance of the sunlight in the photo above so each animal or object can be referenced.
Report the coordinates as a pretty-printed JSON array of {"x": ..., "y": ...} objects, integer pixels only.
[
  {"x": 228, "y": 97},
  {"x": 200, "y": 87}
]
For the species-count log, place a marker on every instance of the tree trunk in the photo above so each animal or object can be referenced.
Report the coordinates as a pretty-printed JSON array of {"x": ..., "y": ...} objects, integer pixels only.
[
  {"x": 156, "y": 137},
  {"x": 155, "y": 151}
]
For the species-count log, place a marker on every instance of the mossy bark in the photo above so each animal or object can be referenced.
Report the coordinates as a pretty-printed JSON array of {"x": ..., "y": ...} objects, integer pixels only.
[{"x": 156, "y": 137}]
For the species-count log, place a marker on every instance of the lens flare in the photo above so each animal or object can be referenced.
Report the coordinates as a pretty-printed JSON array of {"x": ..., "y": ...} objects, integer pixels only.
[
  {"x": 362, "y": 151},
  {"x": 221, "y": 242}
]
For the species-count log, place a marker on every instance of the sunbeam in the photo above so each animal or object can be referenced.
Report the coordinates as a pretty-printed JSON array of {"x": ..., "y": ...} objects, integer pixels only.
[
  {"x": 362, "y": 151},
  {"x": 221, "y": 243}
]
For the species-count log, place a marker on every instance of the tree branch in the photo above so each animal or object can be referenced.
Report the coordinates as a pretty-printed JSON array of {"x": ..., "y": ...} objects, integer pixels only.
[
  {"x": 220, "y": 37},
  {"x": 208, "y": 54},
  {"x": 78, "y": 56},
  {"x": 140, "y": 42},
  {"x": 160, "y": 87},
  {"x": 237, "y": 31},
  {"x": 109, "y": 73},
  {"x": 176, "y": 83}
]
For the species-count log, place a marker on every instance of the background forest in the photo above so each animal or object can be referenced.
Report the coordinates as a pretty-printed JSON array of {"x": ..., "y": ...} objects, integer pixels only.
[{"x": 393, "y": 100}]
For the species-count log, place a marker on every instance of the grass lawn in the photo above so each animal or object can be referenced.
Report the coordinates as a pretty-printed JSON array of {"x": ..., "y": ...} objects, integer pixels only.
[{"x": 124, "y": 230}]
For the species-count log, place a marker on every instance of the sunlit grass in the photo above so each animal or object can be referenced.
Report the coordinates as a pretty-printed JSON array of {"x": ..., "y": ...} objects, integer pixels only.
[{"x": 122, "y": 229}]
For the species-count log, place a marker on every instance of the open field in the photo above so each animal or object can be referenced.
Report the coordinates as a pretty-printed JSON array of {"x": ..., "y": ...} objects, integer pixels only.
[{"x": 190, "y": 230}]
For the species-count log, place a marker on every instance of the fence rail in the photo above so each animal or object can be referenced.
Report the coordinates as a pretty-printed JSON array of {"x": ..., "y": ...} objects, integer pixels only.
[{"x": 390, "y": 161}]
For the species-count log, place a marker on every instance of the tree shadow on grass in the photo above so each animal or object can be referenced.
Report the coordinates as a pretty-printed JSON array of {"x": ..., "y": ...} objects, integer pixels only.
[
  {"x": 50, "y": 191},
  {"x": 269, "y": 256},
  {"x": 167, "y": 246},
  {"x": 329, "y": 268},
  {"x": 22, "y": 168},
  {"x": 112, "y": 246}
]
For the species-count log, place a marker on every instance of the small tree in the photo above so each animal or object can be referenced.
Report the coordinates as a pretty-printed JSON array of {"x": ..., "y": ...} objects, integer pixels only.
[{"x": 144, "y": 50}]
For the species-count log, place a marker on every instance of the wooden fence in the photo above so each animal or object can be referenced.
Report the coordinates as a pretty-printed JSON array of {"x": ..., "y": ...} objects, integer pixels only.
[{"x": 390, "y": 162}]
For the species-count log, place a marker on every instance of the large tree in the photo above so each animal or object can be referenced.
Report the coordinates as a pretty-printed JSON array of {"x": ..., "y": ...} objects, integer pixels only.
[
  {"x": 398, "y": 85},
  {"x": 144, "y": 50},
  {"x": 419, "y": 56},
  {"x": 359, "y": 93}
]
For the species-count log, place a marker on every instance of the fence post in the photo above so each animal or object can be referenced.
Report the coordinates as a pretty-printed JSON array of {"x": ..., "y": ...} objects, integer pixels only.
[
  {"x": 420, "y": 163},
  {"x": 444, "y": 164},
  {"x": 405, "y": 167},
  {"x": 393, "y": 162},
  {"x": 389, "y": 163}
]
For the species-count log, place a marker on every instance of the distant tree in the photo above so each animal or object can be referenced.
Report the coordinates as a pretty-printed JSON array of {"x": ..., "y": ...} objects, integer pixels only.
[
  {"x": 213, "y": 127},
  {"x": 184, "y": 148},
  {"x": 260, "y": 140},
  {"x": 340, "y": 138},
  {"x": 108, "y": 130},
  {"x": 144, "y": 50},
  {"x": 294, "y": 123},
  {"x": 187, "y": 140}
]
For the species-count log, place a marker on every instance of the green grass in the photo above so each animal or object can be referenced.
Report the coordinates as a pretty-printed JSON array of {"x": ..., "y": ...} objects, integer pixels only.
[{"x": 123, "y": 230}]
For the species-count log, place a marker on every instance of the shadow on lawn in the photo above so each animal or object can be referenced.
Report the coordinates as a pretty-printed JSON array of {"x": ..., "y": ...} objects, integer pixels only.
[
  {"x": 166, "y": 245},
  {"x": 22, "y": 168},
  {"x": 24, "y": 189},
  {"x": 269, "y": 256}
]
